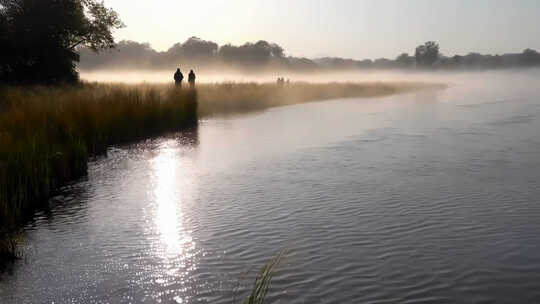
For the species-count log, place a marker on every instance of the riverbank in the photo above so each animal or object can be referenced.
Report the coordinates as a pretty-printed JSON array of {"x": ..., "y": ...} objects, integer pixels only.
[{"x": 48, "y": 134}]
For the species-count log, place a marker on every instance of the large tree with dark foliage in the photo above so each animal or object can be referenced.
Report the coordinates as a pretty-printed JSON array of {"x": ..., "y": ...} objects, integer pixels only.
[{"x": 39, "y": 38}]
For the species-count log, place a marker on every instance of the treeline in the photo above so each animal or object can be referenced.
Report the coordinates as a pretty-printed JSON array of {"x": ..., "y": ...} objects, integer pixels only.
[
  {"x": 263, "y": 54},
  {"x": 200, "y": 53}
]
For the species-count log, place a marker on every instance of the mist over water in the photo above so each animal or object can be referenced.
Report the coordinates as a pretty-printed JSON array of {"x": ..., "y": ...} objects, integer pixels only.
[
  {"x": 469, "y": 78},
  {"x": 425, "y": 197}
]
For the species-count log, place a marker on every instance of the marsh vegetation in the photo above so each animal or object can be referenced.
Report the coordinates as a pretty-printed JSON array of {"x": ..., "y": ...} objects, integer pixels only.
[{"x": 227, "y": 98}]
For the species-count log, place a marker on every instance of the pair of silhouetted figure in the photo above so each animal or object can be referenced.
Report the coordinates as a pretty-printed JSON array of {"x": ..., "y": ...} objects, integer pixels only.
[
  {"x": 178, "y": 77},
  {"x": 281, "y": 81}
]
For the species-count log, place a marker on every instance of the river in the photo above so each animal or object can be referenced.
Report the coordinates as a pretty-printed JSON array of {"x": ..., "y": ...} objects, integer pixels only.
[{"x": 426, "y": 197}]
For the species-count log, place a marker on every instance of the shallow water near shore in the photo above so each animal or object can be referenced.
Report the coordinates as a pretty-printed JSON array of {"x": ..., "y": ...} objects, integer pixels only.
[{"x": 426, "y": 197}]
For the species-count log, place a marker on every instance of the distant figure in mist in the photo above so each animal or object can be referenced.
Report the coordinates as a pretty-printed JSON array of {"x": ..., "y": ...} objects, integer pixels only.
[
  {"x": 178, "y": 77},
  {"x": 281, "y": 81},
  {"x": 191, "y": 79}
]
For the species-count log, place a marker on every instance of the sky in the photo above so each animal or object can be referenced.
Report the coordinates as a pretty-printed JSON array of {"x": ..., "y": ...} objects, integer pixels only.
[{"x": 339, "y": 28}]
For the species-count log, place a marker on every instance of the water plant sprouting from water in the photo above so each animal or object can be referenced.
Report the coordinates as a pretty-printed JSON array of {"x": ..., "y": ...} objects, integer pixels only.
[{"x": 262, "y": 282}]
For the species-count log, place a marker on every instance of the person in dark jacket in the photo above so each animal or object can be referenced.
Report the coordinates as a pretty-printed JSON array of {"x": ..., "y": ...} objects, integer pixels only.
[
  {"x": 191, "y": 79},
  {"x": 178, "y": 77}
]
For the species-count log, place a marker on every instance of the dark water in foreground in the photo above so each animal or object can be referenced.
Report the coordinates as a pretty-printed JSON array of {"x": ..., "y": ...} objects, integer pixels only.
[{"x": 431, "y": 197}]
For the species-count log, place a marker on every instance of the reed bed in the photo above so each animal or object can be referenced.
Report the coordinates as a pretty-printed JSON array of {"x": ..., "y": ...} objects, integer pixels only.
[{"x": 230, "y": 98}]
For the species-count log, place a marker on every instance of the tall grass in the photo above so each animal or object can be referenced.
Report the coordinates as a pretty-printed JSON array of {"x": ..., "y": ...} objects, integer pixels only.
[{"x": 228, "y": 98}]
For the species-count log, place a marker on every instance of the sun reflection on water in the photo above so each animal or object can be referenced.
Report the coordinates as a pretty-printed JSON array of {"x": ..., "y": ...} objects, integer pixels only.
[{"x": 171, "y": 187}]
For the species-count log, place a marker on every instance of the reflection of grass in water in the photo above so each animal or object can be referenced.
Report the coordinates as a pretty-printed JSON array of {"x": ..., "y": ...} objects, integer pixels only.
[
  {"x": 11, "y": 244},
  {"x": 262, "y": 283}
]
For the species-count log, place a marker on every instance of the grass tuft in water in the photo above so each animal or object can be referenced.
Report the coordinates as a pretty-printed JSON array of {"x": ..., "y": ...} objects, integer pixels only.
[{"x": 263, "y": 280}]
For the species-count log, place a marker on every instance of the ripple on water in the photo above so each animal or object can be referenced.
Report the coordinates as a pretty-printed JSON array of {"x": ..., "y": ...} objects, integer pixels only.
[{"x": 425, "y": 209}]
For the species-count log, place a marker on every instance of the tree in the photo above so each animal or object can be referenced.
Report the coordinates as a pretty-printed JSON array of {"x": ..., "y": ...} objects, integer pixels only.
[
  {"x": 126, "y": 53},
  {"x": 530, "y": 57},
  {"x": 427, "y": 54},
  {"x": 194, "y": 47},
  {"x": 276, "y": 50},
  {"x": 251, "y": 54},
  {"x": 404, "y": 60},
  {"x": 39, "y": 38}
]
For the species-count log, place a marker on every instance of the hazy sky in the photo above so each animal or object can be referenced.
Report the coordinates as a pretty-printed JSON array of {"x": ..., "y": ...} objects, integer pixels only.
[{"x": 345, "y": 28}]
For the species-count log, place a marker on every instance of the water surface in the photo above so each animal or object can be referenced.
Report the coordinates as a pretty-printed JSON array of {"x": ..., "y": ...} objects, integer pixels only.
[{"x": 429, "y": 197}]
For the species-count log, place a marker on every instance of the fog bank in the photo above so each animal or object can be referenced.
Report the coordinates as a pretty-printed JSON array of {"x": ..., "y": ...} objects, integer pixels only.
[{"x": 521, "y": 77}]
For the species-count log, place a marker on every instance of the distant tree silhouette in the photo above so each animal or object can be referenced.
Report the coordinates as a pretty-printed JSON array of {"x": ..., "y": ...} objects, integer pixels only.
[
  {"x": 194, "y": 47},
  {"x": 262, "y": 54},
  {"x": 276, "y": 50},
  {"x": 404, "y": 60},
  {"x": 301, "y": 64},
  {"x": 251, "y": 54},
  {"x": 39, "y": 38},
  {"x": 336, "y": 63},
  {"x": 126, "y": 53},
  {"x": 530, "y": 57},
  {"x": 383, "y": 63},
  {"x": 427, "y": 54}
]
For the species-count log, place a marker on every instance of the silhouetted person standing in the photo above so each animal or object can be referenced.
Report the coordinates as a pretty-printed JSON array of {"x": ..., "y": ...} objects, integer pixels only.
[
  {"x": 191, "y": 79},
  {"x": 178, "y": 77}
]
